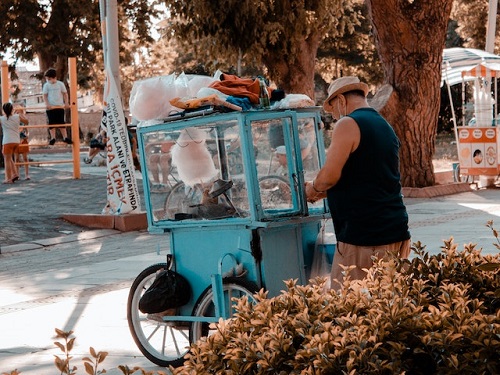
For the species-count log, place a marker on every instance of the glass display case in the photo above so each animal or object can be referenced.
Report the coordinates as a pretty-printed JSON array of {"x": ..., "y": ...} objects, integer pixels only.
[{"x": 237, "y": 167}]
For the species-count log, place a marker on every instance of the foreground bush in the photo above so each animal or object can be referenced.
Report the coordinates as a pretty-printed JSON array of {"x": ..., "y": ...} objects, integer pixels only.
[{"x": 431, "y": 315}]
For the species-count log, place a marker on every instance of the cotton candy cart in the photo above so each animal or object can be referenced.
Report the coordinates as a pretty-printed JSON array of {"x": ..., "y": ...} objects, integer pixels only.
[
  {"x": 235, "y": 215},
  {"x": 476, "y": 132}
]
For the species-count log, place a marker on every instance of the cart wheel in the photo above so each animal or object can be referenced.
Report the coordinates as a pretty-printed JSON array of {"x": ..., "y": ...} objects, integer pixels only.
[
  {"x": 233, "y": 287},
  {"x": 163, "y": 343},
  {"x": 180, "y": 198},
  {"x": 275, "y": 192}
]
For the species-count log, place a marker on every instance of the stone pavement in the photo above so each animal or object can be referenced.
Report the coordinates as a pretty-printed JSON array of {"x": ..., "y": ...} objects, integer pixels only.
[
  {"x": 77, "y": 279},
  {"x": 35, "y": 207}
]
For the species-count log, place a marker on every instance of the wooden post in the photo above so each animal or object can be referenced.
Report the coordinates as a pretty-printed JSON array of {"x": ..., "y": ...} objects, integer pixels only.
[
  {"x": 75, "y": 129},
  {"x": 5, "y": 82}
]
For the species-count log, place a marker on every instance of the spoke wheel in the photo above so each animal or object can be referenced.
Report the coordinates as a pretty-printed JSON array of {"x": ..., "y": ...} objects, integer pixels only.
[
  {"x": 275, "y": 192},
  {"x": 180, "y": 199},
  {"x": 163, "y": 343},
  {"x": 233, "y": 287}
]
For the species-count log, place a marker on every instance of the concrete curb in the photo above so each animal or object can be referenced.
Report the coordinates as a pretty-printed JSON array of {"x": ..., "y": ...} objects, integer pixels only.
[
  {"x": 436, "y": 190},
  {"x": 124, "y": 223}
]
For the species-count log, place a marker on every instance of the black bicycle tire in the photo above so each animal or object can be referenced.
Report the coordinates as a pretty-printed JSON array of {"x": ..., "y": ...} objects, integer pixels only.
[
  {"x": 147, "y": 272},
  {"x": 177, "y": 186}
]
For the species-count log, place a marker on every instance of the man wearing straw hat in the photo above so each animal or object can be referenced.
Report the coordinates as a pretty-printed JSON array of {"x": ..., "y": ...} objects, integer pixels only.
[{"x": 361, "y": 180}]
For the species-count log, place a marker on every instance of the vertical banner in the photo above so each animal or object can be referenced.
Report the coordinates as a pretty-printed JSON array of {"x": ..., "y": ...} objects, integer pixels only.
[{"x": 122, "y": 192}]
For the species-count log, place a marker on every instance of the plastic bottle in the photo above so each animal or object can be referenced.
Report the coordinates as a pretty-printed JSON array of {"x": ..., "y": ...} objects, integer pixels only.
[{"x": 264, "y": 95}]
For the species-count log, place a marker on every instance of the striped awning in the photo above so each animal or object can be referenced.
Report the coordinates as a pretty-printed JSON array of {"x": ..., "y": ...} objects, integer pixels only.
[
  {"x": 458, "y": 60},
  {"x": 483, "y": 70}
]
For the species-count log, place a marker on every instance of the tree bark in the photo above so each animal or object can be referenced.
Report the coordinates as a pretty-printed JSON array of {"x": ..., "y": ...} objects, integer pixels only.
[
  {"x": 410, "y": 37},
  {"x": 294, "y": 73}
]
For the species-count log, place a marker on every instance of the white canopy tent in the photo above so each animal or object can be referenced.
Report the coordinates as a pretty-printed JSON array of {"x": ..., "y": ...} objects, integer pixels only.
[
  {"x": 486, "y": 71},
  {"x": 457, "y": 60}
]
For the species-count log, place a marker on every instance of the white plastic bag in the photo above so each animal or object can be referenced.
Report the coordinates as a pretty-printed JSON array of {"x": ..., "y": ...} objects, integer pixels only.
[
  {"x": 294, "y": 101},
  {"x": 321, "y": 265},
  {"x": 149, "y": 99}
]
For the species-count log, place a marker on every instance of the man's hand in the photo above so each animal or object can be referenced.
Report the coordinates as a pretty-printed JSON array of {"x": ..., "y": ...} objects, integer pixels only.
[{"x": 312, "y": 195}]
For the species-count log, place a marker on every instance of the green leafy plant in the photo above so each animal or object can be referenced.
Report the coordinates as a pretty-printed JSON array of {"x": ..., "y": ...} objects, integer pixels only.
[
  {"x": 90, "y": 363},
  {"x": 63, "y": 364},
  {"x": 434, "y": 314}
]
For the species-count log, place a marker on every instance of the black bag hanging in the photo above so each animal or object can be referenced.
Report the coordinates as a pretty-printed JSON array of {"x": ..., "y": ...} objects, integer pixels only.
[{"x": 169, "y": 290}]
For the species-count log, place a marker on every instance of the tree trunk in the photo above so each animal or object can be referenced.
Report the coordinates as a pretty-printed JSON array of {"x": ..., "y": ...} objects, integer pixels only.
[
  {"x": 294, "y": 73},
  {"x": 410, "y": 37}
]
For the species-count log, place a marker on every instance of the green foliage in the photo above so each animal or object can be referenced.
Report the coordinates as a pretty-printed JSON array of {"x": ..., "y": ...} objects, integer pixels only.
[
  {"x": 63, "y": 364},
  {"x": 434, "y": 314},
  {"x": 57, "y": 29},
  {"x": 472, "y": 17},
  {"x": 282, "y": 35},
  {"x": 90, "y": 363},
  {"x": 353, "y": 52}
]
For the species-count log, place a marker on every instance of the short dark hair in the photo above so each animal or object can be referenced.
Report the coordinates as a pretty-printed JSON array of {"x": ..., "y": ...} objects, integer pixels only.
[{"x": 51, "y": 73}]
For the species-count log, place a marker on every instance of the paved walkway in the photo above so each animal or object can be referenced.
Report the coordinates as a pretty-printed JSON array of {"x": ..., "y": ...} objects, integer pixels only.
[{"x": 77, "y": 279}]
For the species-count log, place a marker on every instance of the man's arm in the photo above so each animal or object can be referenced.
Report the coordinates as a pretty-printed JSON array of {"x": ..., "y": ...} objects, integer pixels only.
[
  {"x": 65, "y": 99},
  {"x": 345, "y": 140},
  {"x": 46, "y": 100}
]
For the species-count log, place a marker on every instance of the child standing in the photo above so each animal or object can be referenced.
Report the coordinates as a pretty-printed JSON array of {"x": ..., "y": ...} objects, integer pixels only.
[
  {"x": 11, "y": 139},
  {"x": 55, "y": 96}
]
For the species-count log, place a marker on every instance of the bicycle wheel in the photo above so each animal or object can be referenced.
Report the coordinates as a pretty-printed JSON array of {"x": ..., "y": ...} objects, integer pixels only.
[
  {"x": 163, "y": 343},
  {"x": 275, "y": 192},
  {"x": 180, "y": 199},
  {"x": 233, "y": 287}
]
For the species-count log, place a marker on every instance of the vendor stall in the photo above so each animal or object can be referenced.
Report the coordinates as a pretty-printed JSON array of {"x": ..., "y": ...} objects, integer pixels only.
[{"x": 477, "y": 135}]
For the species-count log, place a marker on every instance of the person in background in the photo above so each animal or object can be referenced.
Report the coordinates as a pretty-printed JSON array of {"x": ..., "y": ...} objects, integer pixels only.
[
  {"x": 159, "y": 163},
  {"x": 96, "y": 145},
  {"x": 55, "y": 96},
  {"x": 10, "y": 128},
  {"x": 361, "y": 180},
  {"x": 133, "y": 145}
]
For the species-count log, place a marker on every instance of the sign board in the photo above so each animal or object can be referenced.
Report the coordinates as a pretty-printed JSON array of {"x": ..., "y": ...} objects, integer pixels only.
[{"x": 478, "y": 150}]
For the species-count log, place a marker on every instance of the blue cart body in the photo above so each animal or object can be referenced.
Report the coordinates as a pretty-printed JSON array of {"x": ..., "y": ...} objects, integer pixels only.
[
  {"x": 264, "y": 220},
  {"x": 229, "y": 190}
]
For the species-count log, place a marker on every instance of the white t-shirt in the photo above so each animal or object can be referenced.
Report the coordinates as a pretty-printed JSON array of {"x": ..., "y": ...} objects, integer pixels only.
[
  {"x": 54, "y": 92},
  {"x": 10, "y": 129}
]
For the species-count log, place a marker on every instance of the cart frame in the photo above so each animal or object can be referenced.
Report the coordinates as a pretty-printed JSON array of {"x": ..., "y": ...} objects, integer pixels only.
[{"x": 264, "y": 230}]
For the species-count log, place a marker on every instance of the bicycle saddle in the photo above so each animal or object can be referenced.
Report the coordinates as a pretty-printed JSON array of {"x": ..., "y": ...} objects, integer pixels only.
[{"x": 219, "y": 187}]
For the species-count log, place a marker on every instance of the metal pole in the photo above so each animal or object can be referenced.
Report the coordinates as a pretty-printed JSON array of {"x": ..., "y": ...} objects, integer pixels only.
[
  {"x": 5, "y": 82},
  {"x": 102, "y": 12},
  {"x": 113, "y": 44},
  {"x": 491, "y": 26},
  {"x": 74, "y": 116}
]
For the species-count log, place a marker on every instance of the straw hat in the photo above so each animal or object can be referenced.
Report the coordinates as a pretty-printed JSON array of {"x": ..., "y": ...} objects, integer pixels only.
[{"x": 342, "y": 85}]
